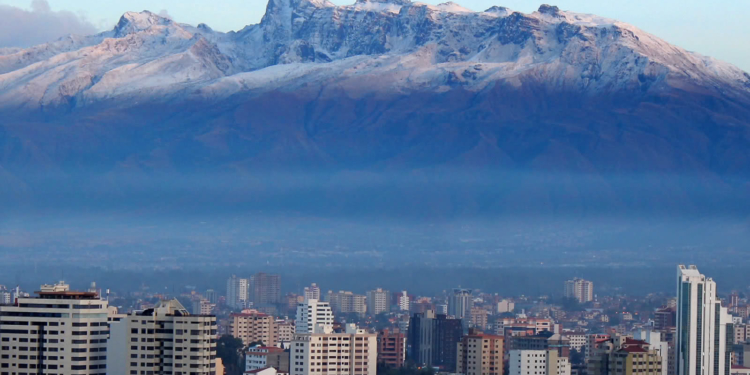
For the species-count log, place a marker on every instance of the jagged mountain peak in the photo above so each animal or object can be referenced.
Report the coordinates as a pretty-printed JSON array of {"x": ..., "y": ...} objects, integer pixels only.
[
  {"x": 395, "y": 2},
  {"x": 131, "y": 22},
  {"x": 498, "y": 10},
  {"x": 445, "y": 45},
  {"x": 549, "y": 10}
]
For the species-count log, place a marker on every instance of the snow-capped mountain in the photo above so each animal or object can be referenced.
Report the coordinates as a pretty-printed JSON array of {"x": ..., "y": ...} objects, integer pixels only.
[
  {"x": 151, "y": 56},
  {"x": 381, "y": 85}
]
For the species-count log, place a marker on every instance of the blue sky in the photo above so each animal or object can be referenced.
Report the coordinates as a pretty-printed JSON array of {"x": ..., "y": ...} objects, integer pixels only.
[{"x": 720, "y": 28}]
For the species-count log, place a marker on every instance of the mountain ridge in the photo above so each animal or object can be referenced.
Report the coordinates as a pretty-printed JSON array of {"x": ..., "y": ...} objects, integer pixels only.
[
  {"x": 579, "y": 101},
  {"x": 305, "y": 31}
]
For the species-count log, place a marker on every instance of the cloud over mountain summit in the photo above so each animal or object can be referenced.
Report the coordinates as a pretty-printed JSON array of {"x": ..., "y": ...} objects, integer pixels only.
[{"x": 23, "y": 28}]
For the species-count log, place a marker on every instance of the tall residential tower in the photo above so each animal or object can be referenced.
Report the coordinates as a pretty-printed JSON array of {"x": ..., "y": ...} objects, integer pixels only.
[
  {"x": 579, "y": 289},
  {"x": 702, "y": 345}
]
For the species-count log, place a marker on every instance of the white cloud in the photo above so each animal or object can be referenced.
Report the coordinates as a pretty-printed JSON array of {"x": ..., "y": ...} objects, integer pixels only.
[{"x": 23, "y": 28}]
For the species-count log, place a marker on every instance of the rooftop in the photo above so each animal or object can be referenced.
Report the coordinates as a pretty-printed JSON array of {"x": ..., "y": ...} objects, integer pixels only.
[
  {"x": 633, "y": 349},
  {"x": 257, "y": 370},
  {"x": 253, "y": 349},
  {"x": 68, "y": 295}
]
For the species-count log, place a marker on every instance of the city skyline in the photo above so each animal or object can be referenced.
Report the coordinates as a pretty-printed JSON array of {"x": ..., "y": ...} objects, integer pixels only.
[{"x": 618, "y": 334}]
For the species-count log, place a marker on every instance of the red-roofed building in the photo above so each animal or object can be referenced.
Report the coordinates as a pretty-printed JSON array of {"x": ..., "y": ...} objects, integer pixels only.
[{"x": 635, "y": 357}]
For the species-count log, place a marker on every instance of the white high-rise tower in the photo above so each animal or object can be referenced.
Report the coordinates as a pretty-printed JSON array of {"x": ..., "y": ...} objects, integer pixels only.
[
  {"x": 313, "y": 316},
  {"x": 237, "y": 292},
  {"x": 378, "y": 301},
  {"x": 702, "y": 326}
]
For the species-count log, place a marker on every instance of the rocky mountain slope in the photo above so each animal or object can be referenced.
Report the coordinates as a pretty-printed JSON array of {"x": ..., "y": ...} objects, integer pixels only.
[{"x": 556, "y": 109}]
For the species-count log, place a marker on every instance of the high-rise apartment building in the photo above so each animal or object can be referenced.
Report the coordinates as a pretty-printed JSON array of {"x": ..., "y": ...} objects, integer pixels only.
[
  {"x": 378, "y": 301},
  {"x": 237, "y": 292},
  {"x": 251, "y": 326},
  {"x": 480, "y": 354},
  {"x": 433, "y": 339},
  {"x": 741, "y": 333},
  {"x": 460, "y": 302},
  {"x": 265, "y": 289},
  {"x": 577, "y": 340},
  {"x": 58, "y": 332},
  {"x": 704, "y": 328},
  {"x": 312, "y": 292},
  {"x": 392, "y": 348},
  {"x": 351, "y": 352},
  {"x": 313, "y": 316},
  {"x": 202, "y": 307},
  {"x": 344, "y": 302},
  {"x": 579, "y": 289},
  {"x": 5, "y": 295},
  {"x": 538, "y": 362},
  {"x": 165, "y": 339},
  {"x": 664, "y": 317},
  {"x": 505, "y": 306},
  {"x": 403, "y": 301},
  {"x": 479, "y": 317},
  {"x": 211, "y": 296},
  {"x": 286, "y": 330}
]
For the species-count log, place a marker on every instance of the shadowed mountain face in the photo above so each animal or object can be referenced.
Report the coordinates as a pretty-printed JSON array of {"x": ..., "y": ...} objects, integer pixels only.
[{"x": 395, "y": 109}]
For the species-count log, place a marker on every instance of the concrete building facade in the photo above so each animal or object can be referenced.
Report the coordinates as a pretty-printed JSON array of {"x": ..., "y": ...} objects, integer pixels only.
[
  {"x": 352, "y": 352},
  {"x": 460, "y": 302},
  {"x": 392, "y": 348},
  {"x": 404, "y": 303},
  {"x": 579, "y": 289},
  {"x": 433, "y": 338},
  {"x": 260, "y": 357},
  {"x": 345, "y": 302},
  {"x": 704, "y": 329},
  {"x": 251, "y": 326},
  {"x": 237, "y": 292},
  {"x": 378, "y": 301},
  {"x": 58, "y": 332},
  {"x": 313, "y": 314},
  {"x": 312, "y": 292},
  {"x": 480, "y": 354},
  {"x": 538, "y": 362},
  {"x": 165, "y": 339}
]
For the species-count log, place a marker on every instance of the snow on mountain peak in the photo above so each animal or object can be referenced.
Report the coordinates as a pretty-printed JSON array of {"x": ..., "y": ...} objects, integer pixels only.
[
  {"x": 439, "y": 45},
  {"x": 550, "y": 10},
  {"x": 498, "y": 10},
  {"x": 394, "y": 2},
  {"x": 131, "y": 22}
]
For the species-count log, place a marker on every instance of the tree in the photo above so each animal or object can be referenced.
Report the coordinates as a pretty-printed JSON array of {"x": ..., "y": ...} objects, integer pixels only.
[
  {"x": 571, "y": 304},
  {"x": 229, "y": 349},
  {"x": 409, "y": 368}
]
